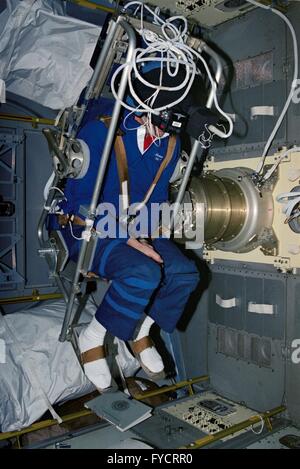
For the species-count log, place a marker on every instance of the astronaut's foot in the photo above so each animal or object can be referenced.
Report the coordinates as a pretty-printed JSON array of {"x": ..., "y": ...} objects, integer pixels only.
[
  {"x": 150, "y": 360},
  {"x": 93, "y": 355}
]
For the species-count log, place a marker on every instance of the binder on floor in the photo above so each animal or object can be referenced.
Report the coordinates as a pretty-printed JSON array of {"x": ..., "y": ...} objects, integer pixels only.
[{"x": 119, "y": 409}]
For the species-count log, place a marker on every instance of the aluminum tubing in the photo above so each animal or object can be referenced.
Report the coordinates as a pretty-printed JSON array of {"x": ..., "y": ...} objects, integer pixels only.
[
  {"x": 101, "y": 172},
  {"x": 104, "y": 56},
  {"x": 196, "y": 144}
]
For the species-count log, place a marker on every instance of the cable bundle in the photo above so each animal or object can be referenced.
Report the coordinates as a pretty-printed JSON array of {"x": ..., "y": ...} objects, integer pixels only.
[{"x": 170, "y": 51}]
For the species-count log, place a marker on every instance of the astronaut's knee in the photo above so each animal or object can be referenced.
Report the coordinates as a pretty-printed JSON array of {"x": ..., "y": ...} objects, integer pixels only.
[{"x": 183, "y": 265}]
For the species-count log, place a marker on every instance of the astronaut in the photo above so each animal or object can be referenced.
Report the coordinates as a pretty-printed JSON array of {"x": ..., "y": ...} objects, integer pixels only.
[{"x": 151, "y": 280}]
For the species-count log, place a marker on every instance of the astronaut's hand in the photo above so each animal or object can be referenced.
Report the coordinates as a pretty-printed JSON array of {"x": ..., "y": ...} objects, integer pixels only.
[{"x": 145, "y": 248}]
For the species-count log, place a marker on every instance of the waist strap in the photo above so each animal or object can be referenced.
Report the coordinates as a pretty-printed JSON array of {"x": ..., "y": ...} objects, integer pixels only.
[{"x": 63, "y": 220}]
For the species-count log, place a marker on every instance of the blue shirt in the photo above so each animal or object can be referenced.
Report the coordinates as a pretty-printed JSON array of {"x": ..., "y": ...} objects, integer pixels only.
[{"x": 142, "y": 169}]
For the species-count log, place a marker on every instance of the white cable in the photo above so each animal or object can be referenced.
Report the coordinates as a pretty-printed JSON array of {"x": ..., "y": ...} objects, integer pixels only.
[
  {"x": 276, "y": 164},
  {"x": 58, "y": 117},
  {"x": 206, "y": 142},
  {"x": 142, "y": 107},
  {"x": 48, "y": 187},
  {"x": 57, "y": 189},
  {"x": 295, "y": 76},
  {"x": 142, "y": 5},
  {"x": 53, "y": 208},
  {"x": 48, "y": 184},
  {"x": 290, "y": 204},
  {"x": 159, "y": 46},
  {"x": 182, "y": 18},
  {"x": 141, "y": 59},
  {"x": 87, "y": 233},
  {"x": 169, "y": 50},
  {"x": 261, "y": 428},
  {"x": 214, "y": 87},
  {"x": 157, "y": 12},
  {"x": 71, "y": 229}
]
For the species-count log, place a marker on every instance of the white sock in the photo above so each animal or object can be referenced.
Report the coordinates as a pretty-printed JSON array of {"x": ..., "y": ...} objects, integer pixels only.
[
  {"x": 150, "y": 357},
  {"x": 97, "y": 371},
  {"x": 145, "y": 328}
]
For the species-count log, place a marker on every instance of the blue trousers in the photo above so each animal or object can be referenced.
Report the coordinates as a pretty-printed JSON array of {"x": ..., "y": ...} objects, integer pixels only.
[{"x": 139, "y": 283}]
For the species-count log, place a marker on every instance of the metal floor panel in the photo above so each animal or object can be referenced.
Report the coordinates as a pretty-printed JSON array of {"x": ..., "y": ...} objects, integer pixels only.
[
  {"x": 101, "y": 438},
  {"x": 272, "y": 441}
]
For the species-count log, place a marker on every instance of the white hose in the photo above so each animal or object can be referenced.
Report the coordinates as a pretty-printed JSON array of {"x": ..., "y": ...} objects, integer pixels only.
[
  {"x": 295, "y": 76},
  {"x": 170, "y": 51},
  {"x": 276, "y": 164},
  {"x": 291, "y": 200}
]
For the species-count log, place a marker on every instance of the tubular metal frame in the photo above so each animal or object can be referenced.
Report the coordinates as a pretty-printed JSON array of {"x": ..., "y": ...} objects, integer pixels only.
[
  {"x": 105, "y": 56},
  {"x": 94, "y": 89},
  {"x": 197, "y": 144}
]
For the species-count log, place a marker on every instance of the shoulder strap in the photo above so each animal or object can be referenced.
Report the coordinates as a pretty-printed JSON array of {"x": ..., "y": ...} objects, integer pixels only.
[
  {"x": 122, "y": 167},
  {"x": 122, "y": 164},
  {"x": 164, "y": 164}
]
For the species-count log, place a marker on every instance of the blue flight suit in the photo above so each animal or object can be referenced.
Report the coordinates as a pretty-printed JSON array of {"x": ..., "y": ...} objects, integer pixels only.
[{"x": 138, "y": 282}]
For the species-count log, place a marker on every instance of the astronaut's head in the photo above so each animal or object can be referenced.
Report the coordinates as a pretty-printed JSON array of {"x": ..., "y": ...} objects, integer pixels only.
[
  {"x": 169, "y": 118},
  {"x": 171, "y": 114}
]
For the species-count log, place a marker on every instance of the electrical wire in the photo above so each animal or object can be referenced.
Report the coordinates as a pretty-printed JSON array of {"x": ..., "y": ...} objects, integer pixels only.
[
  {"x": 169, "y": 50},
  {"x": 72, "y": 233},
  {"x": 57, "y": 189},
  {"x": 292, "y": 90},
  {"x": 259, "y": 432},
  {"x": 290, "y": 205},
  {"x": 53, "y": 208},
  {"x": 276, "y": 164},
  {"x": 142, "y": 106},
  {"x": 214, "y": 87},
  {"x": 48, "y": 185}
]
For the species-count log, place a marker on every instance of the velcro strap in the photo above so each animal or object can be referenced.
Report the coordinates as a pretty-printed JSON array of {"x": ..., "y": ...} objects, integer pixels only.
[
  {"x": 163, "y": 165},
  {"x": 63, "y": 220},
  {"x": 121, "y": 158},
  {"x": 139, "y": 345},
  {"x": 78, "y": 221},
  {"x": 167, "y": 158},
  {"x": 93, "y": 354},
  {"x": 122, "y": 165}
]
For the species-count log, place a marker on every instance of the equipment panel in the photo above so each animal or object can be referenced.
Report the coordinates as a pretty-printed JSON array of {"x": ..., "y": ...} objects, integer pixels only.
[{"x": 182, "y": 422}]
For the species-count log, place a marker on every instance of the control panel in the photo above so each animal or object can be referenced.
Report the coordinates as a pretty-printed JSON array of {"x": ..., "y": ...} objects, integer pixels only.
[
  {"x": 184, "y": 421},
  {"x": 209, "y": 412}
]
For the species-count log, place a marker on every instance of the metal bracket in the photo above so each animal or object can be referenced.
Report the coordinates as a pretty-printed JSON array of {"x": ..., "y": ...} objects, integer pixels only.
[
  {"x": 282, "y": 263},
  {"x": 269, "y": 244},
  {"x": 120, "y": 47},
  {"x": 50, "y": 253}
]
